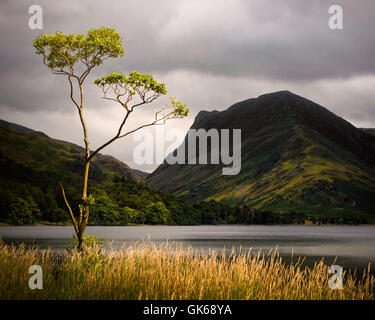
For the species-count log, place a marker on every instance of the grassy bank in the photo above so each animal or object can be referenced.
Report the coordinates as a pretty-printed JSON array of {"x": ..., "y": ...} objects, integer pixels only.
[{"x": 145, "y": 271}]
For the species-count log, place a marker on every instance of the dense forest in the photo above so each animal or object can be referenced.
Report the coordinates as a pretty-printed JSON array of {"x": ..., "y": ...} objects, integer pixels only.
[
  {"x": 116, "y": 203},
  {"x": 123, "y": 201}
]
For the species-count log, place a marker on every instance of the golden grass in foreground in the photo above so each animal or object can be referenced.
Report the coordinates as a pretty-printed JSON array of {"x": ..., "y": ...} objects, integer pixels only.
[{"x": 147, "y": 271}]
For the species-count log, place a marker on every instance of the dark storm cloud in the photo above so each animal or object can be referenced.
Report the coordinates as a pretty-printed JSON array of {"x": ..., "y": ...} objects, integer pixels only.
[
  {"x": 279, "y": 40},
  {"x": 283, "y": 40},
  {"x": 210, "y": 53}
]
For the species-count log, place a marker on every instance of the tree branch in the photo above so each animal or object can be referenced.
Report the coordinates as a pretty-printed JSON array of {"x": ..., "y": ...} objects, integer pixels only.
[
  {"x": 157, "y": 121},
  {"x": 69, "y": 208},
  {"x": 111, "y": 140},
  {"x": 79, "y": 106}
]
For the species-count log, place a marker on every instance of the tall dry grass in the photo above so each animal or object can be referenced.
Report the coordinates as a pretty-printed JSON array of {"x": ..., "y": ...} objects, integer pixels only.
[{"x": 147, "y": 271}]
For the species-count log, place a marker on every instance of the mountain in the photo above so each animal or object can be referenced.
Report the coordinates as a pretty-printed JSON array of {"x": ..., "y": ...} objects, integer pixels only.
[
  {"x": 32, "y": 165},
  {"x": 296, "y": 156}
]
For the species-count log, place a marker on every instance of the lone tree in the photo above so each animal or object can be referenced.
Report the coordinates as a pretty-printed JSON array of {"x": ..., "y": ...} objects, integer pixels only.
[{"x": 74, "y": 56}]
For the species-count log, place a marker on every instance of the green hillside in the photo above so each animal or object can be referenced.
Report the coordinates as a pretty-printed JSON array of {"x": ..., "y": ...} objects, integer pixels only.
[
  {"x": 32, "y": 164},
  {"x": 296, "y": 156}
]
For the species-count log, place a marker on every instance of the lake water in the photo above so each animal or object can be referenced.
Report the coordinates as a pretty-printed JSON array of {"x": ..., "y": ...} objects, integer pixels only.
[{"x": 354, "y": 246}]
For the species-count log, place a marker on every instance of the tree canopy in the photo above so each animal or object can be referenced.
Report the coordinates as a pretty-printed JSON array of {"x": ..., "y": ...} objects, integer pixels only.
[{"x": 61, "y": 52}]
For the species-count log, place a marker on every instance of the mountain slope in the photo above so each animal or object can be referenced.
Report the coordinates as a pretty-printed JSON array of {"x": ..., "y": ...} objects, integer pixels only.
[
  {"x": 296, "y": 155},
  {"x": 22, "y": 149}
]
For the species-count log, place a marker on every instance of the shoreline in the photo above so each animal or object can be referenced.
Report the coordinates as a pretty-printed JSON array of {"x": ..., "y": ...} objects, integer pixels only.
[{"x": 69, "y": 224}]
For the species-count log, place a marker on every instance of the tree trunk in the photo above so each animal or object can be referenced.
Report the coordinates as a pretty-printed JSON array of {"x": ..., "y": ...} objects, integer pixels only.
[
  {"x": 84, "y": 214},
  {"x": 80, "y": 240}
]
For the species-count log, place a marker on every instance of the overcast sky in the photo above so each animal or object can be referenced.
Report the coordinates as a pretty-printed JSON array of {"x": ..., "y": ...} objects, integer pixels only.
[{"x": 209, "y": 53}]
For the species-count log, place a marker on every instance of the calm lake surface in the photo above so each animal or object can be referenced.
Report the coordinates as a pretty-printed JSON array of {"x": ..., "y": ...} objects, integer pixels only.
[{"x": 354, "y": 246}]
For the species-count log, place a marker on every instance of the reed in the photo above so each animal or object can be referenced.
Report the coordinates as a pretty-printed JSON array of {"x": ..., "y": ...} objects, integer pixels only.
[{"x": 148, "y": 271}]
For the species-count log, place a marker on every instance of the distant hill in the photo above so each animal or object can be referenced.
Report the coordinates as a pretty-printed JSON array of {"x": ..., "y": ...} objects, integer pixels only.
[
  {"x": 142, "y": 174},
  {"x": 22, "y": 148},
  {"x": 15, "y": 127},
  {"x": 296, "y": 155}
]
